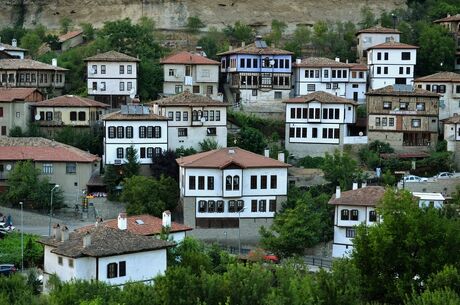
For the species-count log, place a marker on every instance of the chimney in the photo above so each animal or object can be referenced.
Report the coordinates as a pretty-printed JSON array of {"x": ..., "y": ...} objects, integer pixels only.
[
  {"x": 64, "y": 233},
  {"x": 56, "y": 231},
  {"x": 86, "y": 240},
  {"x": 337, "y": 192},
  {"x": 346, "y": 60},
  {"x": 243, "y": 44},
  {"x": 337, "y": 59},
  {"x": 281, "y": 157},
  {"x": 98, "y": 221},
  {"x": 122, "y": 221},
  {"x": 267, "y": 152},
  {"x": 298, "y": 61},
  {"x": 166, "y": 221},
  {"x": 14, "y": 42},
  {"x": 230, "y": 48},
  {"x": 355, "y": 186},
  {"x": 258, "y": 37},
  {"x": 364, "y": 184},
  {"x": 54, "y": 62}
]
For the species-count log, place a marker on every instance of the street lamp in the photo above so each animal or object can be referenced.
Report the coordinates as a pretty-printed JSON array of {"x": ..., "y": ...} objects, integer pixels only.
[
  {"x": 22, "y": 235},
  {"x": 51, "y": 209},
  {"x": 239, "y": 231},
  {"x": 394, "y": 20}
]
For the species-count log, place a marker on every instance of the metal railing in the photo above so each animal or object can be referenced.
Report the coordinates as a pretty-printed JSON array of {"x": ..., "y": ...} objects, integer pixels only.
[{"x": 318, "y": 261}]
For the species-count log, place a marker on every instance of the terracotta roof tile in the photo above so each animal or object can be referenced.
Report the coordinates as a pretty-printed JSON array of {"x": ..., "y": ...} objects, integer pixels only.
[
  {"x": 360, "y": 67},
  {"x": 321, "y": 62},
  {"x": 70, "y": 35},
  {"x": 449, "y": 19},
  {"x": 27, "y": 64},
  {"x": 445, "y": 76},
  {"x": 252, "y": 49},
  {"x": 150, "y": 225},
  {"x": 221, "y": 158},
  {"x": 393, "y": 45},
  {"x": 452, "y": 120},
  {"x": 41, "y": 149},
  {"x": 9, "y": 47},
  {"x": 366, "y": 196},
  {"x": 379, "y": 30},
  {"x": 188, "y": 99},
  {"x": 15, "y": 94},
  {"x": 70, "y": 101},
  {"x": 188, "y": 58},
  {"x": 322, "y": 97},
  {"x": 391, "y": 90},
  {"x": 105, "y": 241},
  {"x": 118, "y": 116},
  {"x": 112, "y": 56}
]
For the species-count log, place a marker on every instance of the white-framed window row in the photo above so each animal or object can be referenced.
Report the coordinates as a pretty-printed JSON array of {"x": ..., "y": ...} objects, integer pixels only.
[
  {"x": 384, "y": 122},
  {"x": 235, "y": 206}
]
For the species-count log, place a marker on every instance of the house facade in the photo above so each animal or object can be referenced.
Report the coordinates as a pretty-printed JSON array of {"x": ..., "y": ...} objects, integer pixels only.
[
  {"x": 70, "y": 40},
  {"x": 403, "y": 116},
  {"x": 112, "y": 78},
  {"x": 62, "y": 164},
  {"x": 353, "y": 208},
  {"x": 373, "y": 36},
  {"x": 111, "y": 255},
  {"x": 391, "y": 63},
  {"x": 452, "y": 24},
  {"x": 447, "y": 85},
  {"x": 13, "y": 49},
  {"x": 318, "y": 123},
  {"x": 134, "y": 126},
  {"x": 230, "y": 192},
  {"x": 28, "y": 73},
  {"x": 192, "y": 118},
  {"x": 193, "y": 72},
  {"x": 331, "y": 76},
  {"x": 452, "y": 136},
  {"x": 15, "y": 107},
  {"x": 257, "y": 73},
  {"x": 68, "y": 110}
]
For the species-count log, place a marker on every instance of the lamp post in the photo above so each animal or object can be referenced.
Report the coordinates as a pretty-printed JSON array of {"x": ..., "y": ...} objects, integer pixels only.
[
  {"x": 239, "y": 231},
  {"x": 22, "y": 235},
  {"x": 51, "y": 209},
  {"x": 393, "y": 16}
]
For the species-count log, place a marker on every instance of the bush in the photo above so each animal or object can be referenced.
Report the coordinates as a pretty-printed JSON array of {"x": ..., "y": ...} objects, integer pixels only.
[{"x": 311, "y": 162}]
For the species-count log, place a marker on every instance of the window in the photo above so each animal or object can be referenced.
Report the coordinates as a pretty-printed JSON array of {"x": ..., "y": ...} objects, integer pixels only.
[
  {"x": 354, "y": 215},
  {"x": 273, "y": 182},
  {"x": 379, "y": 70},
  {"x": 407, "y": 70},
  {"x": 314, "y": 133},
  {"x": 185, "y": 116},
  {"x": 157, "y": 152},
  {"x": 386, "y": 105},
  {"x": 228, "y": 183},
  {"x": 120, "y": 153},
  {"x": 205, "y": 115},
  {"x": 122, "y": 69},
  {"x": 385, "y": 70},
  {"x": 291, "y": 132},
  {"x": 403, "y": 105},
  {"x": 73, "y": 115},
  {"x": 253, "y": 182},
  {"x": 391, "y": 122},
  {"x": 201, "y": 182},
  {"x": 420, "y": 106},
  {"x": 384, "y": 121},
  {"x": 236, "y": 183},
  {"x": 211, "y": 131},
  {"x": 278, "y": 95},
  {"x": 231, "y": 206},
  {"x": 18, "y": 114},
  {"x": 182, "y": 132},
  {"x": 122, "y": 268},
  {"x": 211, "y": 206},
  {"x": 49, "y": 116},
  {"x": 262, "y": 205},
  {"x": 272, "y": 205},
  {"x": 405, "y": 55},
  {"x": 81, "y": 116},
  {"x": 170, "y": 115},
  {"x": 129, "y": 86},
  {"x": 111, "y": 132},
  {"x": 122, "y": 86},
  {"x": 178, "y": 89},
  {"x": 416, "y": 123},
  {"x": 401, "y": 70},
  {"x": 379, "y": 56},
  {"x": 326, "y": 73},
  {"x": 239, "y": 205},
  {"x": 112, "y": 270},
  {"x": 129, "y": 132},
  {"x": 217, "y": 115},
  {"x": 70, "y": 263},
  {"x": 47, "y": 168},
  {"x": 94, "y": 69},
  {"x": 372, "y": 216},
  {"x": 263, "y": 182},
  {"x": 191, "y": 183},
  {"x": 142, "y": 132},
  {"x": 255, "y": 63},
  {"x": 157, "y": 132},
  {"x": 253, "y": 205},
  {"x": 178, "y": 115},
  {"x": 385, "y": 56},
  {"x": 210, "y": 183},
  {"x": 293, "y": 112},
  {"x": 242, "y": 62},
  {"x": 220, "y": 206},
  {"x": 71, "y": 168},
  {"x": 120, "y": 132},
  {"x": 328, "y": 86},
  {"x": 196, "y": 89},
  {"x": 60, "y": 260},
  {"x": 457, "y": 89},
  {"x": 311, "y": 87},
  {"x": 129, "y": 69},
  {"x": 103, "y": 69},
  {"x": 149, "y": 152},
  {"x": 102, "y": 86},
  {"x": 350, "y": 233},
  {"x": 209, "y": 90},
  {"x": 345, "y": 215},
  {"x": 202, "y": 206}
]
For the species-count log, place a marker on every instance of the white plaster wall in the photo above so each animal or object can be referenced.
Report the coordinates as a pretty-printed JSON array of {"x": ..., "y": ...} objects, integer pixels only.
[
  {"x": 263, "y": 96},
  {"x": 376, "y": 38},
  {"x": 195, "y": 135},
  {"x": 245, "y": 213},
  {"x": 206, "y": 172},
  {"x": 51, "y": 265},
  {"x": 394, "y": 57},
  {"x": 341, "y": 250},
  {"x": 281, "y": 174},
  {"x": 112, "y": 78}
]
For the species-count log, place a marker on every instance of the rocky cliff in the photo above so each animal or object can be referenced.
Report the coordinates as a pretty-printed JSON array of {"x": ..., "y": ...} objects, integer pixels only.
[{"x": 172, "y": 14}]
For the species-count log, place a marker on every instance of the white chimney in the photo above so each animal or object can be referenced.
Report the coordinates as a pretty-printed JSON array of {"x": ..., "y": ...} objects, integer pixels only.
[
  {"x": 86, "y": 240},
  {"x": 98, "y": 221},
  {"x": 122, "y": 221},
  {"x": 355, "y": 186},
  {"x": 230, "y": 48},
  {"x": 243, "y": 44},
  {"x": 166, "y": 221},
  {"x": 364, "y": 184},
  {"x": 64, "y": 233},
  {"x": 281, "y": 156},
  {"x": 14, "y": 42},
  {"x": 337, "y": 59},
  {"x": 338, "y": 193},
  {"x": 54, "y": 62},
  {"x": 298, "y": 60},
  {"x": 267, "y": 152},
  {"x": 56, "y": 231}
]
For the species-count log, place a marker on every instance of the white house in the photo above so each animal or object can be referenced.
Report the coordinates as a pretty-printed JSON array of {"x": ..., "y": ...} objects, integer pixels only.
[
  {"x": 331, "y": 76},
  {"x": 134, "y": 126},
  {"x": 111, "y": 255},
  {"x": 452, "y": 136},
  {"x": 193, "y": 72},
  {"x": 13, "y": 49},
  {"x": 391, "y": 63},
  {"x": 231, "y": 192},
  {"x": 353, "y": 208},
  {"x": 192, "y": 119},
  {"x": 112, "y": 78},
  {"x": 373, "y": 36},
  {"x": 447, "y": 84},
  {"x": 435, "y": 200},
  {"x": 320, "y": 122}
]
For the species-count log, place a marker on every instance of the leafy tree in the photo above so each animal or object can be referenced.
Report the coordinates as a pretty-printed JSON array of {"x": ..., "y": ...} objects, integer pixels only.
[
  {"x": 53, "y": 42},
  {"x": 15, "y": 291},
  {"x": 277, "y": 30},
  {"x": 240, "y": 32},
  {"x": 299, "y": 40},
  {"x": 66, "y": 24},
  {"x": 32, "y": 42},
  {"x": 83, "y": 139},
  {"x": 340, "y": 169},
  {"x": 183, "y": 152},
  {"x": 251, "y": 139},
  {"x": 388, "y": 179},
  {"x": 165, "y": 165},
  {"x": 88, "y": 31},
  {"x": 16, "y": 132},
  {"x": 113, "y": 176},
  {"x": 132, "y": 166},
  {"x": 194, "y": 24},
  {"x": 10, "y": 248},
  {"x": 213, "y": 42},
  {"x": 208, "y": 144},
  {"x": 437, "y": 297},
  {"x": 368, "y": 18},
  {"x": 9, "y": 33}
]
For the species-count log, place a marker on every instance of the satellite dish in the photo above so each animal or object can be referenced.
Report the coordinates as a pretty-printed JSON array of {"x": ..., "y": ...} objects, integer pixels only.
[
  {"x": 203, "y": 120},
  {"x": 8, "y": 167},
  {"x": 272, "y": 62},
  {"x": 132, "y": 95},
  {"x": 91, "y": 70},
  {"x": 37, "y": 117}
]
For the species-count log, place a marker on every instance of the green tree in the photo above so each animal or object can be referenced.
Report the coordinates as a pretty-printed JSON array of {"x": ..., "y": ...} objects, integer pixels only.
[
  {"x": 240, "y": 32},
  {"x": 340, "y": 169},
  {"x": 10, "y": 248},
  {"x": 32, "y": 42},
  {"x": 299, "y": 40},
  {"x": 112, "y": 178},
  {"x": 368, "y": 18},
  {"x": 208, "y": 144},
  {"x": 66, "y": 24},
  {"x": 194, "y": 24},
  {"x": 277, "y": 30},
  {"x": 213, "y": 42},
  {"x": 16, "y": 131},
  {"x": 251, "y": 139},
  {"x": 88, "y": 31},
  {"x": 132, "y": 165},
  {"x": 165, "y": 165}
]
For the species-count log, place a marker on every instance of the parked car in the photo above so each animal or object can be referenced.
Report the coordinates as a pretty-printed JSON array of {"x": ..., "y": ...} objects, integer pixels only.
[
  {"x": 444, "y": 175},
  {"x": 7, "y": 269},
  {"x": 6, "y": 228},
  {"x": 413, "y": 178}
]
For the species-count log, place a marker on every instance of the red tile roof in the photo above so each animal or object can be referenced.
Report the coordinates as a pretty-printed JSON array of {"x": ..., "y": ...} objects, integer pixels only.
[
  {"x": 445, "y": 76},
  {"x": 188, "y": 58},
  {"x": 378, "y": 30},
  {"x": 112, "y": 56},
  {"x": 320, "y": 62},
  {"x": 148, "y": 225},
  {"x": 358, "y": 67},
  {"x": 40, "y": 150},
  {"x": 189, "y": 99},
  {"x": 252, "y": 49},
  {"x": 70, "y": 35},
  {"x": 70, "y": 101},
  {"x": 449, "y": 18},
  {"x": 15, "y": 94},
  {"x": 221, "y": 158},
  {"x": 322, "y": 97},
  {"x": 407, "y": 90},
  {"x": 366, "y": 196},
  {"x": 393, "y": 45}
]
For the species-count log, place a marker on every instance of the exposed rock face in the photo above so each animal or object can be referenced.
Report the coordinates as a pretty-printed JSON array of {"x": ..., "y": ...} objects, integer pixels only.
[{"x": 173, "y": 14}]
